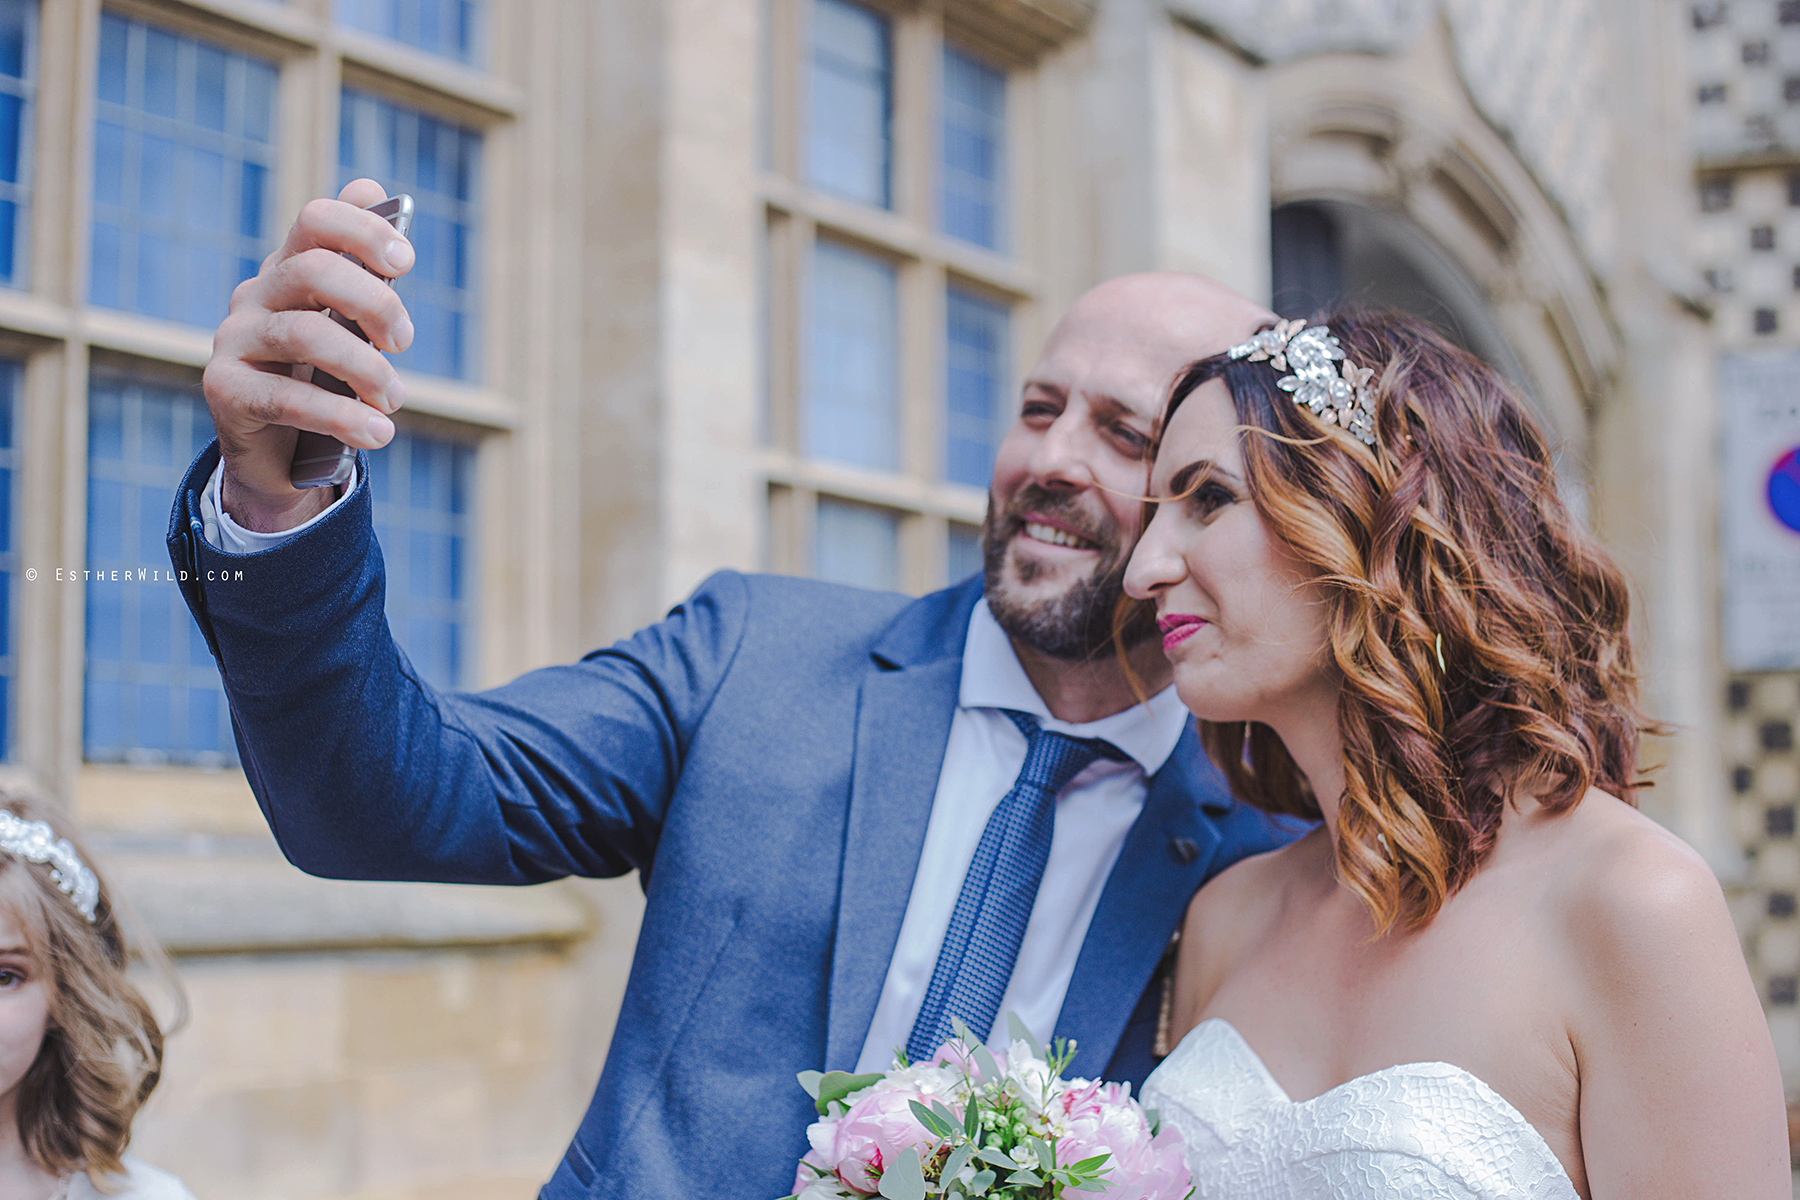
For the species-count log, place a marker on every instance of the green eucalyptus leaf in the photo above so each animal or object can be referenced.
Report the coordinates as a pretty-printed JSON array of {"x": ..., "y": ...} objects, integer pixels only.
[
  {"x": 1046, "y": 1159},
  {"x": 951, "y": 1124},
  {"x": 810, "y": 1081},
  {"x": 904, "y": 1179},
  {"x": 979, "y": 1185},
  {"x": 1154, "y": 1116},
  {"x": 1018, "y": 1031},
  {"x": 835, "y": 1085},
  {"x": 959, "y": 1158},
  {"x": 972, "y": 1119},
  {"x": 990, "y": 1070},
  {"x": 1026, "y": 1177},
  {"x": 1090, "y": 1164},
  {"x": 997, "y": 1158},
  {"x": 931, "y": 1121}
]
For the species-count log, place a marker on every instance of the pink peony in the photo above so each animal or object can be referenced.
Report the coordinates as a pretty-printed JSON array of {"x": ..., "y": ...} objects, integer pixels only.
[
  {"x": 1103, "y": 1119},
  {"x": 961, "y": 1059},
  {"x": 879, "y": 1125},
  {"x": 805, "y": 1176}
]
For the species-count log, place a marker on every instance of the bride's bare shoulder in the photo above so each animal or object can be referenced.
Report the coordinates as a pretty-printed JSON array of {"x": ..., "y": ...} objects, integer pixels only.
[
  {"x": 1238, "y": 906},
  {"x": 1619, "y": 870},
  {"x": 1663, "y": 1018},
  {"x": 1630, "y": 897}
]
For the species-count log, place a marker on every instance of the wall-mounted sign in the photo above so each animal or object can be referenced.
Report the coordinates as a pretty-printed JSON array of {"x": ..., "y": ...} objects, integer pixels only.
[{"x": 1761, "y": 511}]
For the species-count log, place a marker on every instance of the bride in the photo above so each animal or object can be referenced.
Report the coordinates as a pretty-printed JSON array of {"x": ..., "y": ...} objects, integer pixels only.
[{"x": 1485, "y": 974}]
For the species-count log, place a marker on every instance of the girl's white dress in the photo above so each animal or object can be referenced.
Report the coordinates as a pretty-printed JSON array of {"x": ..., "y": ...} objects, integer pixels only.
[{"x": 141, "y": 1182}]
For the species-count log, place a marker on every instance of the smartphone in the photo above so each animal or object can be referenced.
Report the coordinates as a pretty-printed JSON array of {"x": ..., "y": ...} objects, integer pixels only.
[{"x": 320, "y": 460}]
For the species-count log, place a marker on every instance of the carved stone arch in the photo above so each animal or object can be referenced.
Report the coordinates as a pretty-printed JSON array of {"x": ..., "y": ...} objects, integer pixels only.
[{"x": 1397, "y": 137}]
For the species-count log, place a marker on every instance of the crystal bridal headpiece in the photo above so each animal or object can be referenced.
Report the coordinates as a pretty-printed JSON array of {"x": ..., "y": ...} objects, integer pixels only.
[
  {"x": 37, "y": 842},
  {"x": 1337, "y": 395}
]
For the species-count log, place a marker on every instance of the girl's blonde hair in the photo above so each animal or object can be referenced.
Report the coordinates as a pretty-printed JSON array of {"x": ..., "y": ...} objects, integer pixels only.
[{"x": 103, "y": 1048}]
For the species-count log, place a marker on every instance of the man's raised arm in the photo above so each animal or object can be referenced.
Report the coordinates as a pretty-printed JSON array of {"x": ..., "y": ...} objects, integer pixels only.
[{"x": 363, "y": 769}]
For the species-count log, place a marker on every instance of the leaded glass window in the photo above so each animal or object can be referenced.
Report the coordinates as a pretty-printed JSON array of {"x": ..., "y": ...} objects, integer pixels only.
[
  {"x": 853, "y": 359},
  {"x": 18, "y": 86},
  {"x": 420, "y": 486},
  {"x": 10, "y": 377},
  {"x": 184, "y": 151},
  {"x": 152, "y": 694},
  {"x": 438, "y": 162},
  {"x": 856, "y": 544},
  {"x": 975, "y": 386},
  {"x": 851, "y": 109},
  {"x": 447, "y": 27},
  {"x": 971, "y": 179}
]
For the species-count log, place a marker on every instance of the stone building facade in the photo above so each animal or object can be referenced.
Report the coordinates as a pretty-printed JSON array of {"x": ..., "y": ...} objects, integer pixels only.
[
  {"x": 1744, "y": 80},
  {"x": 749, "y": 283}
]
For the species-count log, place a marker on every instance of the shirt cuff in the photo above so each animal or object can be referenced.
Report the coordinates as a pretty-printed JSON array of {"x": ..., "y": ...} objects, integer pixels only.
[{"x": 224, "y": 534}]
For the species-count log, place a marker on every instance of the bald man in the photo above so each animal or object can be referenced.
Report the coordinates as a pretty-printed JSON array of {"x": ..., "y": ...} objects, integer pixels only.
[{"x": 808, "y": 778}]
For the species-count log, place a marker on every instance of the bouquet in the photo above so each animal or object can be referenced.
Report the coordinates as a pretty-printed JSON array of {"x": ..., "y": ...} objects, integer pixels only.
[{"x": 971, "y": 1122}]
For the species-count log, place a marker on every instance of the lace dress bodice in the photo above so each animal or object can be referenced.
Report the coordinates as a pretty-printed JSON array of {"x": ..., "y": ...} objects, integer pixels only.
[{"x": 1419, "y": 1131}]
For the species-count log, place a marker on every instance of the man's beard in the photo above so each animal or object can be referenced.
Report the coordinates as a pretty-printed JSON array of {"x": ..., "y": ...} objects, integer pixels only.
[{"x": 1076, "y": 626}]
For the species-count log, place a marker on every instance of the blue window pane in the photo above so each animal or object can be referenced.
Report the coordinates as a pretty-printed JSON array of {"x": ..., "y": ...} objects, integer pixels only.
[
  {"x": 11, "y": 375},
  {"x": 975, "y": 386},
  {"x": 963, "y": 554},
  {"x": 9, "y": 220},
  {"x": 251, "y": 200},
  {"x": 415, "y": 484},
  {"x": 210, "y": 65},
  {"x": 149, "y": 697},
  {"x": 12, "y": 114},
  {"x": 204, "y": 715},
  {"x": 18, "y": 88},
  {"x": 972, "y": 193},
  {"x": 161, "y": 72},
  {"x": 856, "y": 544},
  {"x": 15, "y": 34},
  {"x": 182, "y": 158},
  {"x": 406, "y": 150},
  {"x": 853, "y": 359},
  {"x": 851, "y": 103},
  {"x": 255, "y": 116},
  {"x": 114, "y": 34},
  {"x": 446, "y": 27},
  {"x": 109, "y": 164},
  {"x": 108, "y": 249}
]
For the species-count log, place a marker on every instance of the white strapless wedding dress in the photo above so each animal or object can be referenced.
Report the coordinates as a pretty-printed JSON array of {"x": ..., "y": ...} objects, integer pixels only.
[{"x": 1419, "y": 1131}]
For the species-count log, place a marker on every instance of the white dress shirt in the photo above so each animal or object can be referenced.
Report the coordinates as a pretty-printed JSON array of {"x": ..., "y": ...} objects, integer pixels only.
[
  {"x": 223, "y": 533},
  {"x": 1093, "y": 815}
]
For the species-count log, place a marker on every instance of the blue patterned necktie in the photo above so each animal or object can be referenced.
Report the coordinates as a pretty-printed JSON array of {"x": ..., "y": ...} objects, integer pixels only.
[{"x": 994, "y": 906}]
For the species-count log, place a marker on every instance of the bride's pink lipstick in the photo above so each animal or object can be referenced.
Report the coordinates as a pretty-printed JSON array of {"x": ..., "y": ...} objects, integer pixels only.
[{"x": 1176, "y": 627}]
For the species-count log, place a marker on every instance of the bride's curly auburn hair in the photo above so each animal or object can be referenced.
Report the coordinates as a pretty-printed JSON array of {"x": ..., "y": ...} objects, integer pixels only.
[{"x": 1445, "y": 543}]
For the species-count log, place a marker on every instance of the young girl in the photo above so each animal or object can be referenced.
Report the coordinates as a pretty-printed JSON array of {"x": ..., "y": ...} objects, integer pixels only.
[{"x": 80, "y": 1050}]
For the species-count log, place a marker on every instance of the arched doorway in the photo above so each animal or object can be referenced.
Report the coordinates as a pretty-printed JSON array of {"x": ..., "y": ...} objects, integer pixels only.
[{"x": 1325, "y": 253}]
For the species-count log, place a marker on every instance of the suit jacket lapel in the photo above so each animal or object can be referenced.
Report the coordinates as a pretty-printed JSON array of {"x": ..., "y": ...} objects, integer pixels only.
[
  {"x": 903, "y": 721},
  {"x": 1165, "y": 858}
]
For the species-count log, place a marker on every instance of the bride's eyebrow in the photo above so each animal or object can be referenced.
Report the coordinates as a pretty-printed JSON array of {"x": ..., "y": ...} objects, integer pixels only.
[{"x": 1188, "y": 479}]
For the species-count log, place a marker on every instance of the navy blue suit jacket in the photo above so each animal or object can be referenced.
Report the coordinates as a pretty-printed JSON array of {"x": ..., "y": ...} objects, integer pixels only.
[{"x": 765, "y": 758}]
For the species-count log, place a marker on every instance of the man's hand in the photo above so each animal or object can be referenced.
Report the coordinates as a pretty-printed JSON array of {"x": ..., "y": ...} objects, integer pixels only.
[{"x": 277, "y": 320}]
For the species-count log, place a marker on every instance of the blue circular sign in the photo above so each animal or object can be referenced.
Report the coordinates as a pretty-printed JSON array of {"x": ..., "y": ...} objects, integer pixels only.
[{"x": 1784, "y": 489}]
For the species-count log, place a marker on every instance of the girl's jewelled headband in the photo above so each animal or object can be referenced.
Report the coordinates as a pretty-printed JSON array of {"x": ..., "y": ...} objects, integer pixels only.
[
  {"x": 38, "y": 843},
  {"x": 1337, "y": 396}
]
